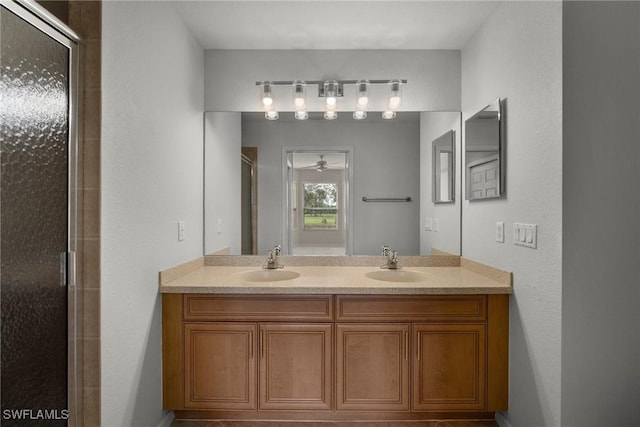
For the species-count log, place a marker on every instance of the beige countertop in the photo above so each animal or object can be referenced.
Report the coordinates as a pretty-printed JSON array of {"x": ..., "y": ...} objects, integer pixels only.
[{"x": 467, "y": 278}]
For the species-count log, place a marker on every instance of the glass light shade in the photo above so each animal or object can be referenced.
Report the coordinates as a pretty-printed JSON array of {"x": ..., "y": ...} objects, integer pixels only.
[
  {"x": 301, "y": 115},
  {"x": 299, "y": 95},
  {"x": 396, "y": 97},
  {"x": 331, "y": 94},
  {"x": 362, "y": 94},
  {"x": 330, "y": 115},
  {"x": 388, "y": 115},
  {"x": 266, "y": 95},
  {"x": 359, "y": 115},
  {"x": 271, "y": 115}
]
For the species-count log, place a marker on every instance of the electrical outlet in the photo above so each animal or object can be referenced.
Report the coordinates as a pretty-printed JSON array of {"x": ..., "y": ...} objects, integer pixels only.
[
  {"x": 219, "y": 226},
  {"x": 180, "y": 231},
  {"x": 436, "y": 224},
  {"x": 500, "y": 232}
]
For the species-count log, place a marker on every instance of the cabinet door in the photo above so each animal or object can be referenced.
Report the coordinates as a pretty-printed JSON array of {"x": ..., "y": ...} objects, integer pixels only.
[
  {"x": 372, "y": 367},
  {"x": 449, "y": 367},
  {"x": 220, "y": 365},
  {"x": 295, "y": 366}
]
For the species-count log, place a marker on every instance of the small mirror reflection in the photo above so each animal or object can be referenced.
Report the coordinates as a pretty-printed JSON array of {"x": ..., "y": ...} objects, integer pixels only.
[{"x": 484, "y": 163}]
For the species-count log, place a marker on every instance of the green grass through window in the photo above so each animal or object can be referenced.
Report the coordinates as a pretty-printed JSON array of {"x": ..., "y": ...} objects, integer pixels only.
[{"x": 320, "y": 221}]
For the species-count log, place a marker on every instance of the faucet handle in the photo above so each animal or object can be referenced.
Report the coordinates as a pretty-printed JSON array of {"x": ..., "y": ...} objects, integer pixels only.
[
  {"x": 385, "y": 250},
  {"x": 277, "y": 249}
]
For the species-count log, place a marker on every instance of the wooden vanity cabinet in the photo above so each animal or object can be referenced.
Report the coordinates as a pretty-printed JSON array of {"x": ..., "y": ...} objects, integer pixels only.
[
  {"x": 448, "y": 346},
  {"x": 335, "y": 357},
  {"x": 219, "y": 365},
  {"x": 449, "y": 367},
  {"x": 372, "y": 366},
  {"x": 247, "y": 352},
  {"x": 295, "y": 366}
]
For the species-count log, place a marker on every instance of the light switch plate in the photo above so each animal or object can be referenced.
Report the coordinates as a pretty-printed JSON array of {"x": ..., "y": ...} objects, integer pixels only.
[
  {"x": 180, "y": 231},
  {"x": 500, "y": 232},
  {"x": 428, "y": 224},
  {"x": 525, "y": 235}
]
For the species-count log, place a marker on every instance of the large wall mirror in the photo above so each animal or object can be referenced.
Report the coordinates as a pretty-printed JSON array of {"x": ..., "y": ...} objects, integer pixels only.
[
  {"x": 301, "y": 184},
  {"x": 484, "y": 153}
]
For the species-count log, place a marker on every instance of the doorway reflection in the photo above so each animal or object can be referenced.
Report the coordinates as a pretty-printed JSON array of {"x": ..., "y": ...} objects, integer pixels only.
[{"x": 318, "y": 203}]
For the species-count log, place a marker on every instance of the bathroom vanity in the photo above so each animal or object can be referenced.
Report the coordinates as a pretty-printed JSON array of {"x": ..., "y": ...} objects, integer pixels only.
[{"x": 332, "y": 343}]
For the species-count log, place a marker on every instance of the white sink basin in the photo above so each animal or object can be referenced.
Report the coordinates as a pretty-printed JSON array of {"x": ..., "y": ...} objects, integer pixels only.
[
  {"x": 398, "y": 276},
  {"x": 268, "y": 275}
]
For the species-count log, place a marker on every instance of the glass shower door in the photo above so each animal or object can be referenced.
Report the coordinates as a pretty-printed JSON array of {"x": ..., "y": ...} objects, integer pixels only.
[{"x": 34, "y": 223}]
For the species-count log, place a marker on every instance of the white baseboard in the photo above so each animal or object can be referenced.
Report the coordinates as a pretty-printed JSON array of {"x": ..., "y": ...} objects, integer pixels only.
[
  {"x": 167, "y": 420},
  {"x": 501, "y": 420}
]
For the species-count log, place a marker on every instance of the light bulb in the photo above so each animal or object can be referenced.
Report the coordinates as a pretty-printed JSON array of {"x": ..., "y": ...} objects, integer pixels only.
[
  {"x": 330, "y": 115},
  {"x": 299, "y": 95},
  {"x": 394, "y": 102},
  {"x": 359, "y": 115},
  {"x": 266, "y": 95},
  {"x": 395, "y": 98},
  {"x": 301, "y": 115},
  {"x": 388, "y": 115},
  {"x": 271, "y": 115},
  {"x": 362, "y": 94},
  {"x": 331, "y": 94}
]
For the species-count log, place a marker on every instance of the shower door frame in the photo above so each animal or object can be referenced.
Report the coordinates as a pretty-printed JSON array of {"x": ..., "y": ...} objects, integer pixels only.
[{"x": 35, "y": 15}]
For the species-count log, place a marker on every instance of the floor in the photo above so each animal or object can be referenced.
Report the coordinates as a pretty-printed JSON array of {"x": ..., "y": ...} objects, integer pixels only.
[{"x": 335, "y": 424}]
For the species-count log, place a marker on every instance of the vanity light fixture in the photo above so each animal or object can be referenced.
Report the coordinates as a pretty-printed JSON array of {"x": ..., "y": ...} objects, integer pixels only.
[
  {"x": 266, "y": 95},
  {"x": 331, "y": 94},
  {"x": 299, "y": 100},
  {"x": 394, "y": 100},
  {"x": 359, "y": 115},
  {"x": 362, "y": 95},
  {"x": 395, "y": 97},
  {"x": 271, "y": 115},
  {"x": 331, "y": 91},
  {"x": 330, "y": 114},
  {"x": 301, "y": 115},
  {"x": 388, "y": 115},
  {"x": 331, "y": 99},
  {"x": 362, "y": 100}
]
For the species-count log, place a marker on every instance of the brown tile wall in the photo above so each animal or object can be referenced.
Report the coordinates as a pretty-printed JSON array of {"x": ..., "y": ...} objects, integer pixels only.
[{"x": 85, "y": 18}]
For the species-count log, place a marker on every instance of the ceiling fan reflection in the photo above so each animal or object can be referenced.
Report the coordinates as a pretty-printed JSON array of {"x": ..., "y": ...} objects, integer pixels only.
[{"x": 320, "y": 166}]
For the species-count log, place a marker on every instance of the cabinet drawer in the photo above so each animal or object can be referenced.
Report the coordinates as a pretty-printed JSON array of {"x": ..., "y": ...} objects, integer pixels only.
[
  {"x": 467, "y": 308},
  {"x": 316, "y": 308}
]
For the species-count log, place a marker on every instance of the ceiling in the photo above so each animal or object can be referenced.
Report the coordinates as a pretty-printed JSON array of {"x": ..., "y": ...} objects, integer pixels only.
[{"x": 334, "y": 24}]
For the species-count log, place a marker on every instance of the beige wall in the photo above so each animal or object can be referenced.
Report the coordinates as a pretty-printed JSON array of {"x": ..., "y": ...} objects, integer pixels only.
[{"x": 152, "y": 133}]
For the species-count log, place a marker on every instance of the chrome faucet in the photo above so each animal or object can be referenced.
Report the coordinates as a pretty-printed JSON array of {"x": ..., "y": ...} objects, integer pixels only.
[
  {"x": 272, "y": 258},
  {"x": 392, "y": 258}
]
